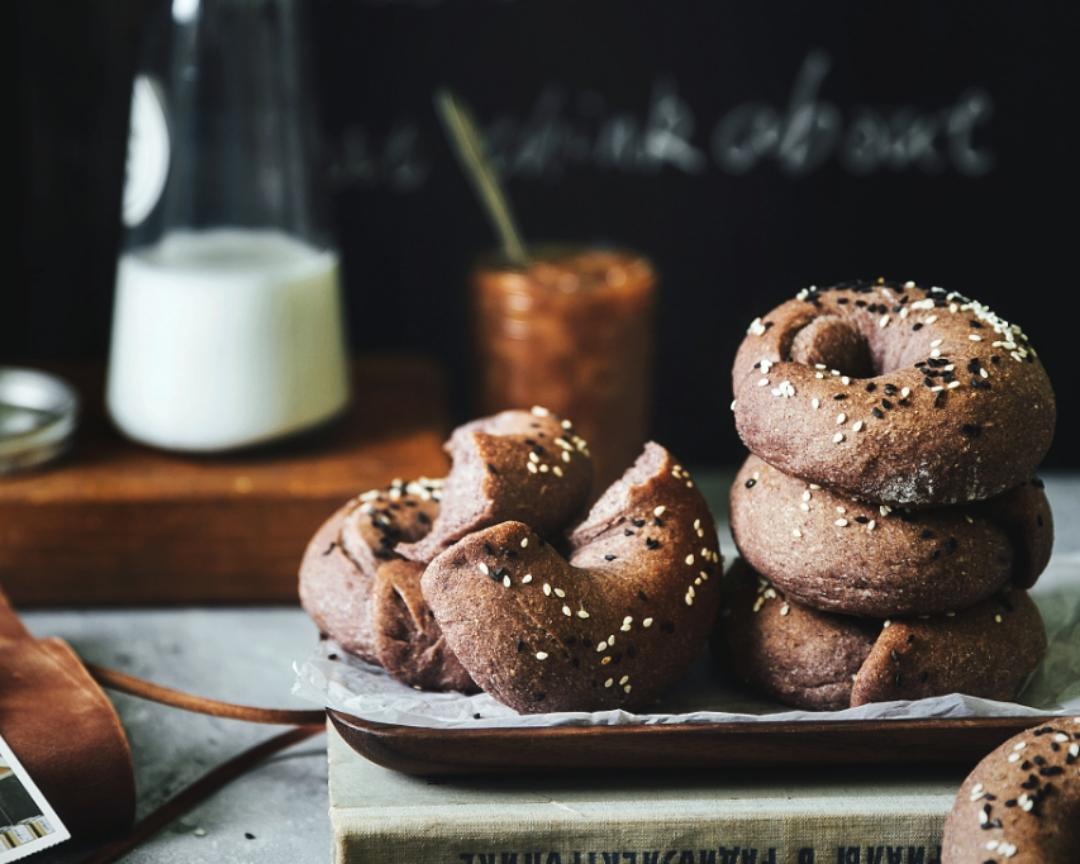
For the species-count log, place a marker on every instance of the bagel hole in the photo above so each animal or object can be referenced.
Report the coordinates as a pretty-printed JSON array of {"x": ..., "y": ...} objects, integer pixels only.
[{"x": 836, "y": 343}]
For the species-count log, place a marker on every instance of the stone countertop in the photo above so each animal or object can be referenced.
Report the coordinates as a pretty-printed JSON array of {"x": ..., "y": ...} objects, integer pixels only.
[{"x": 278, "y": 812}]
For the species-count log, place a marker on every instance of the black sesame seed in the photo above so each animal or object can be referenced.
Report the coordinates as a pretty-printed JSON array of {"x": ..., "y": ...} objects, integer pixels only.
[
  {"x": 871, "y": 387},
  {"x": 886, "y": 404},
  {"x": 940, "y": 399},
  {"x": 609, "y": 557},
  {"x": 751, "y": 483},
  {"x": 890, "y": 389},
  {"x": 916, "y": 327},
  {"x": 839, "y": 397},
  {"x": 877, "y": 412},
  {"x": 652, "y": 543}
]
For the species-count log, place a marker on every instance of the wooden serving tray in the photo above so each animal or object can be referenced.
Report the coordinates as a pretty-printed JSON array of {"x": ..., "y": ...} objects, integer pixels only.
[{"x": 422, "y": 751}]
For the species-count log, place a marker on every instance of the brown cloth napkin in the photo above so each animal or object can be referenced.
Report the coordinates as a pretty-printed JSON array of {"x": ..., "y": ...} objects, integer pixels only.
[{"x": 64, "y": 730}]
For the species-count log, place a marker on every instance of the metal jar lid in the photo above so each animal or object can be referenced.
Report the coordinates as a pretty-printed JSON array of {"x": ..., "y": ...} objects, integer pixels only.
[{"x": 38, "y": 415}]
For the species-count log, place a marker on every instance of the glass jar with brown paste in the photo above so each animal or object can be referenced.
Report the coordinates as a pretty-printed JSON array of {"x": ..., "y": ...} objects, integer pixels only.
[{"x": 572, "y": 330}]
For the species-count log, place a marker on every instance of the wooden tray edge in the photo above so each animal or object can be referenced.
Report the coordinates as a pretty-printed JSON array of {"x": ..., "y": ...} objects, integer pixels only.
[{"x": 555, "y": 749}]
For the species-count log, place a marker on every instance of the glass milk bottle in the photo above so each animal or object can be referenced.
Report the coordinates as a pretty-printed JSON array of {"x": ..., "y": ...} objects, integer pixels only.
[{"x": 227, "y": 320}]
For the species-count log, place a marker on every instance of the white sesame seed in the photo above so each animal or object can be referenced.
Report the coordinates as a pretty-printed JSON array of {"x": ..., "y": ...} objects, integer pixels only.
[
  {"x": 556, "y": 470},
  {"x": 566, "y": 610},
  {"x": 541, "y": 655},
  {"x": 659, "y": 511},
  {"x": 689, "y": 598},
  {"x": 871, "y": 525},
  {"x": 841, "y": 419},
  {"x": 845, "y": 380},
  {"x": 885, "y": 624},
  {"x": 733, "y": 401},
  {"x": 540, "y": 411},
  {"x": 524, "y": 542},
  {"x": 544, "y": 469},
  {"x": 646, "y": 622},
  {"x": 796, "y": 533},
  {"x": 533, "y": 457},
  {"x": 1061, "y": 737},
  {"x": 804, "y": 507},
  {"x": 526, "y": 579},
  {"x": 609, "y": 682},
  {"x": 690, "y": 558},
  {"x": 624, "y": 679},
  {"x": 581, "y": 613},
  {"x": 806, "y": 495},
  {"x": 931, "y": 319},
  {"x": 841, "y": 523},
  {"x": 601, "y": 647},
  {"x": 1020, "y": 745},
  {"x": 815, "y": 403},
  {"x": 935, "y": 353},
  {"x": 841, "y": 510},
  {"x": 857, "y": 426},
  {"x": 560, "y": 593},
  {"x": 883, "y": 320},
  {"x": 1014, "y": 757},
  {"x": 998, "y": 619},
  {"x": 936, "y": 343},
  {"x": 627, "y": 689},
  {"x": 506, "y": 581},
  {"x": 952, "y": 385},
  {"x": 905, "y": 392},
  {"x": 838, "y": 437},
  {"x": 763, "y": 382},
  {"x": 547, "y": 590},
  {"x": 785, "y": 609},
  {"x": 975, "y": 337},
  {"x": 565, "y": 456},
  {"x": 697, "y": 524},
  {"x": 531, "y": 466},
  {"x": 483, "y": 568}
]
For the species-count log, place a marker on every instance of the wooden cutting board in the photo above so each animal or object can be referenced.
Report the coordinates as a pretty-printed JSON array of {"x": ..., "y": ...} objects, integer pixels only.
[{"x": 118, "y": 523}]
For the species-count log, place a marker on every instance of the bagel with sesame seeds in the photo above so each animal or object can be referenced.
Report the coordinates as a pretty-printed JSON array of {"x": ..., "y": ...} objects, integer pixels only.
[
  {"x": 1021, "y": 803},
  {"x": 608, "y": 627},
  {"x": 527, "y": 466},
  {"x": 833, "y": 553},
  {"x": 893, "y": 394},
  {"x": 367, "y": 598},
  {"x": 821, "y": 661}
]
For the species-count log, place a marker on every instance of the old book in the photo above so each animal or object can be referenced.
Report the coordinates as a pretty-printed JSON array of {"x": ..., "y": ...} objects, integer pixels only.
[{"x": 852, "y": 817}]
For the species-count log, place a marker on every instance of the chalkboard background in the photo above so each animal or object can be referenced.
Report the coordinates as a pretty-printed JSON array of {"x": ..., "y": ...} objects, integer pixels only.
[{"x": 748, "y": 148}]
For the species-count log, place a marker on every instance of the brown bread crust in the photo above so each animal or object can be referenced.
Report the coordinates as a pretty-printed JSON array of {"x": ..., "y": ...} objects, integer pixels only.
[
  {"x": 365, "y": 597},
  {"x": 525, "y": 466},
  {"x": 831, "y": 552},
  {"x": 817, "y": 660},
  {"x": 1021, "y": 804},
  {"x": 611, "y": 627},
  {"x": 922, "y": 397}
]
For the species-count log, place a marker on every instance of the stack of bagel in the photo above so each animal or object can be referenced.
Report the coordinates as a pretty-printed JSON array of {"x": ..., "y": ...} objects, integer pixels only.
[
  {"x": 501, "y": 578},
  {"x": 888, "y": 519}
]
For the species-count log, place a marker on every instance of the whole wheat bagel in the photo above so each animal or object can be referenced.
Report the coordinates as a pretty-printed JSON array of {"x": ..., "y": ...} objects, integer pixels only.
[
  {"x": 893, "y": 394},
  {"x": 818, "y": 660},
  {"x": 1021, "y": 804},
  {"x": 367, "y": 598},
  {"x": 612, "y": 625},
  {"x": 831, "y": 552}
]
